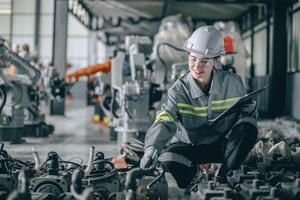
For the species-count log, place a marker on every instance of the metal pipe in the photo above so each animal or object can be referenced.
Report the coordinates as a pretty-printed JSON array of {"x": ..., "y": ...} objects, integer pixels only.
[
  {"x": 37, "y": 161},
  {"x": 91, "y": 159}
]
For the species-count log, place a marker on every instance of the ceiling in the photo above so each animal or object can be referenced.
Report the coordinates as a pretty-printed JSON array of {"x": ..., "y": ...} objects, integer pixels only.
[
  {"x": 200, "y": 10},
  {"x": 144, "y": 16}
]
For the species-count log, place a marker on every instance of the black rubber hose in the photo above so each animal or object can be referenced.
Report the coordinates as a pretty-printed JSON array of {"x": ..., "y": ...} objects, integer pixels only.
[
  {"x": 114, "y": 103},
  {"x": 3, "y": 93}
]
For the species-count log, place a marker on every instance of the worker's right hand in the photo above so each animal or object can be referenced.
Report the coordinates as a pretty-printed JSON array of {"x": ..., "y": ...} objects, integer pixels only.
[{"x": 149, "y": 159}]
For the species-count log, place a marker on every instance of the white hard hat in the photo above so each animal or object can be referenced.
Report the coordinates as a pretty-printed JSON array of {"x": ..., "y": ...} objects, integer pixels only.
[{"x": 206, "y": 40}]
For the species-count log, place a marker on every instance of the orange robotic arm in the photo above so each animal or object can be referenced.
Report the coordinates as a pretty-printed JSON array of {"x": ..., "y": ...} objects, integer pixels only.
[{"x": 100, "y": 67}]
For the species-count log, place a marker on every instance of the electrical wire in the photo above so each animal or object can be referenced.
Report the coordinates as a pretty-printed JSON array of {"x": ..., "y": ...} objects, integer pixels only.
[
  {"x": 77, "y": 157},
  {"x": 3, "y": 93},
  {"x": 113, "y": 104},
  {"x": 70, "y": 162}
]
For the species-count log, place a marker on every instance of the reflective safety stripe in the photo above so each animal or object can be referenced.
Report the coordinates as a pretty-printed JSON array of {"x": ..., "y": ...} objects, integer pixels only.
[
  {"x": 225, "y": 100},
  {"x": 183, "y": 105},
  {"x": 220, "y": 107},
  {"x": 163, "y": 116},
  {"x": 192, "y": 110},
  {"x": 193, "y": 113}
]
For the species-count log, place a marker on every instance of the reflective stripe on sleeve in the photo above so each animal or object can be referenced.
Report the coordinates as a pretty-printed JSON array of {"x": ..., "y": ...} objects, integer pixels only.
[
  {"x": 163, "y": 116},
  {"x": 193, "y": 113}
]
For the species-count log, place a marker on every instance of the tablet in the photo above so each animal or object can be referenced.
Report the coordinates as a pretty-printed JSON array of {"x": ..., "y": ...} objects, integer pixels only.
[{"x": 236, "y": 106}]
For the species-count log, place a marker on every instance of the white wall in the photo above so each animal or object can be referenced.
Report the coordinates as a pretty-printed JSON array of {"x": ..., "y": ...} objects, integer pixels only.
[
  {"x": 23, "y": 15},
  {"x": 295, "y": 44},
  {"x": 260, "y": 53},
  {"x": 46, "y": 30},
  {"x": 5, "y": 9}
]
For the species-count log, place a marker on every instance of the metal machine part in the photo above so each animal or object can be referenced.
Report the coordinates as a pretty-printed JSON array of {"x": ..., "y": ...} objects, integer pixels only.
[
  {"x": 23, "y": 192},
  {"x": 9, "y": 171},
  {"x": 102, "y": 176},
  {"x": 131, "y": 94},
  {"x": 146, "y": 185},
  {"x": 55, "y": 180},
  {"x": 77, "y": 190},
  {"x": 19, "y": 98}
]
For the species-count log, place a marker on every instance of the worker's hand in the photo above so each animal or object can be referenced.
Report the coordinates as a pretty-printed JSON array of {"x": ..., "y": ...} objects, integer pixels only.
[{"x": 149, "y": 159}]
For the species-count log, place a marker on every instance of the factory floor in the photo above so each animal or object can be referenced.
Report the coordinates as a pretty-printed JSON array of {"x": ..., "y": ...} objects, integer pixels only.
[{"x": 75, "y": 132}]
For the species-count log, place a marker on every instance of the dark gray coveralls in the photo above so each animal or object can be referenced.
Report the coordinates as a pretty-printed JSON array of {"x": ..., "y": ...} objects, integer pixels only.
[{"x": 181, "y": 126}]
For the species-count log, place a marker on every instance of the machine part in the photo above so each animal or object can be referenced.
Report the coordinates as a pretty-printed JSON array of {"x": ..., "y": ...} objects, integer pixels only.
[
  {"x": 239, "y": 176},
  {"x": 54, "y": 180},
  {"x": 89, "y": 70},
  {"x": 37, "y": 162},
  {"x": 19, "y": 99},
  {"x": 23, "y": 191},
  {"x": 131, "y": 96},
  {"x": 103, "y": 177},
  {"x": 77, "y": 191},
  {"x": 209, "y": 190},
  {"x": 91, "y": 159},
  {"x": 7, "y": 183},
  {"x": 23, "y": 66},
  {"x": 290, "y": 190},
  {"x": 254, "y": 188},
  {"x": 13, "y": 135},
  {"x": 140, "y": 186},
  {"x": 9, "y": 171},
  {"x": 38, "y": 130}
]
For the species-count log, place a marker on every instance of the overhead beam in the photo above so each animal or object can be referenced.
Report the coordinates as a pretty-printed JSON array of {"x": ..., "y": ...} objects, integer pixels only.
[{"x": 212, "y": 1}]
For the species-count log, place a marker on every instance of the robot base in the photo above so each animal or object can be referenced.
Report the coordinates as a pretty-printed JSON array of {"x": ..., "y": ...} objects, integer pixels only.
[
  {"x": 11, "y": 135},
  {"x": 37, "y": 130}
]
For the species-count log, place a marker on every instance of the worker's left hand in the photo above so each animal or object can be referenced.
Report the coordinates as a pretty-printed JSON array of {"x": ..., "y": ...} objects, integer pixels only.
[{"x": 149, "y": 159}]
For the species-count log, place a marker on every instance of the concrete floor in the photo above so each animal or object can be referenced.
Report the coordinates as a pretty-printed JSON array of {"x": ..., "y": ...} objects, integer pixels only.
[{"x": 73, "y": 135}]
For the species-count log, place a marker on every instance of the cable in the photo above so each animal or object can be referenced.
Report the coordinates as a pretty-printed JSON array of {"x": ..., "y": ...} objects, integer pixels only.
[
  {"x": 77, "y": 157},
  {"x": 113, "y": 104},
  {"x": 162, "y": 61},
  {"x": 70, "y": 162},
  {"x": 3, "y": 93}
]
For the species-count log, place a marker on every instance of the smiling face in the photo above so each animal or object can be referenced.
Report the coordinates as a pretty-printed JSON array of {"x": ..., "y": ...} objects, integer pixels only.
[{"x": 200, "y": 67}]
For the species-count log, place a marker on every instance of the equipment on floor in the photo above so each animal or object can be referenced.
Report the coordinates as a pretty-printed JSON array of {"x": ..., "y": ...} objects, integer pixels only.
[
  {"x": 23, "y": 192},
  {"x": 101, "y": 175},
  {"x": 271, "y": 171},
  {"x": 97, "y": 86},
  {"x": 55, "y": 177},
  {"x": 19, "y": 106},
  {"x": 9, "y": 170},
  {"x": 131, "y": 94}
]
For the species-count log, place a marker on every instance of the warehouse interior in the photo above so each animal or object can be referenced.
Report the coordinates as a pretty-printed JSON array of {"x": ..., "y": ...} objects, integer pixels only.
[{"x": 84, "y": 83}]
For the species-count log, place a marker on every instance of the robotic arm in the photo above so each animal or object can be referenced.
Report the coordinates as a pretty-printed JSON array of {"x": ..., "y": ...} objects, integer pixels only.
[
  {"x": 21, "y": 64},
  {"x": 100, "y": 67}
]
